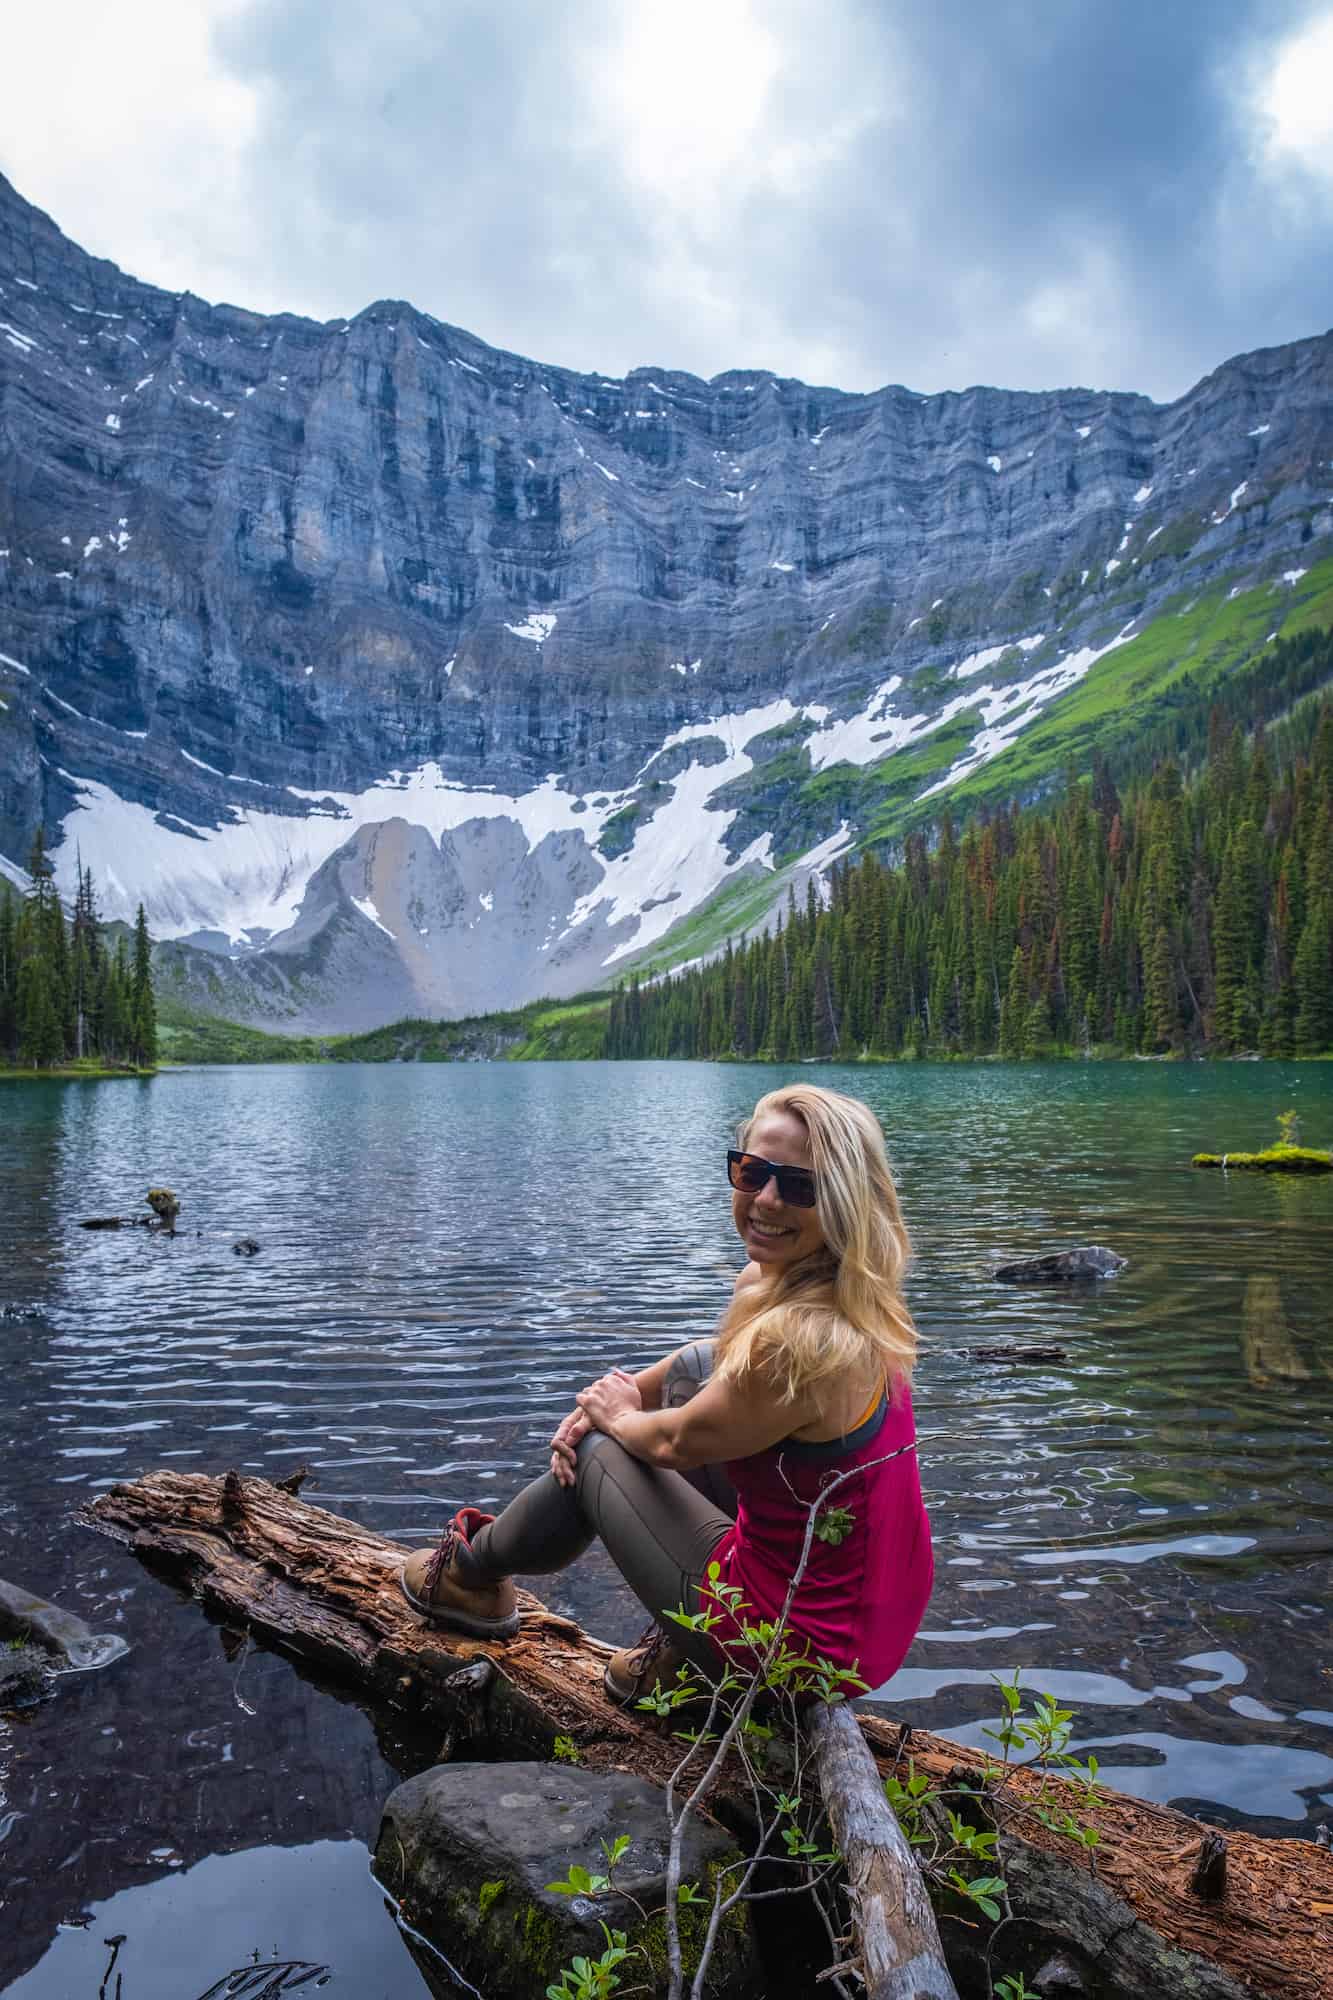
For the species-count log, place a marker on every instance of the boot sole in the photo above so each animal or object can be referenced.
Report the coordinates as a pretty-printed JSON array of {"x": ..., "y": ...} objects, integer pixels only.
[{"x": 459, "y": 1621}]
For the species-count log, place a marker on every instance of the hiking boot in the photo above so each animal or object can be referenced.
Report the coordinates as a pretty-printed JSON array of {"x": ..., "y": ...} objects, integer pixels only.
[
  {"x": 635, "y": 1671},
  {"x": 448, "y": 1586}
]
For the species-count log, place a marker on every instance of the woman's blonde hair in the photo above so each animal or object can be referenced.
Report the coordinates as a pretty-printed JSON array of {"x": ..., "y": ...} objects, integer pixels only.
[{"x": 840, "y": 1310}]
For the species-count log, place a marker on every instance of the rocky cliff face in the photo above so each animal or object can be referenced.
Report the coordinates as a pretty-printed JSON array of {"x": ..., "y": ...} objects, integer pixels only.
[{"x": 418, "y": 677}]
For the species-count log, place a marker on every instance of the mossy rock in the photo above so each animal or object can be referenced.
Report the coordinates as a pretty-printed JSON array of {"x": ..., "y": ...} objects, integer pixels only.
[
  {"x": 1273, "y": 1160},
  {"x": 469, "y": 1852}
]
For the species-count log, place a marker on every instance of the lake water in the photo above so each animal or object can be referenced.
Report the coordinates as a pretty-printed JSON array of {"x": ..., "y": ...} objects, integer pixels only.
[{"x": 448, "y": 1253}]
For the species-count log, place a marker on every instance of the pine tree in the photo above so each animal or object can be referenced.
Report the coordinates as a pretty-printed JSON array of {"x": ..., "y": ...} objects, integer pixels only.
[
  {"x": 40, "y": 1039},
  {"x": 143, "y": 1011},
  {"x": 1312, "y": 977}
]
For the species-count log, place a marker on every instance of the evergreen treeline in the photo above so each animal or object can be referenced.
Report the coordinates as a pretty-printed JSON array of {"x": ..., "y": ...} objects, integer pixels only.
[
  {"x": 66, "y": 995},
  {"x": 1189, "y": 917}
]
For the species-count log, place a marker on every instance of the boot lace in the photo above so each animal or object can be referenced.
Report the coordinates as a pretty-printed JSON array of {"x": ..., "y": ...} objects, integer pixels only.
[
  {"x": 440, "y": 1560},
  {"x": 647, "y": 1649}
]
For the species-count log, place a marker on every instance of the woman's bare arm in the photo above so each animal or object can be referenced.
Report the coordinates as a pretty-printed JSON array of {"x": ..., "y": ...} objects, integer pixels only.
[{"x": 722, "y": 1421}]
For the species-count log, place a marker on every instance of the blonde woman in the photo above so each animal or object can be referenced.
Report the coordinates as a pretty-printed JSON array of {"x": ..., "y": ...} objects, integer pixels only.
[{"x": 715, "y": 1453}]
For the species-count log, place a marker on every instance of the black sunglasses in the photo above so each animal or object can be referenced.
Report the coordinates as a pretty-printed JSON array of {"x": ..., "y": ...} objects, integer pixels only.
[{"x": 749, "y": 1173}]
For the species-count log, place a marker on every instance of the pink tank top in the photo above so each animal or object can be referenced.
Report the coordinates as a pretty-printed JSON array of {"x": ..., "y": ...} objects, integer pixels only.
[{"x": 861, "y": 1600}]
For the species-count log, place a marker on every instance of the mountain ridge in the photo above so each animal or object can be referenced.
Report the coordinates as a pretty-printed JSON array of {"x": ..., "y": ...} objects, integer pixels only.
[{"x": 607, "y": 648}]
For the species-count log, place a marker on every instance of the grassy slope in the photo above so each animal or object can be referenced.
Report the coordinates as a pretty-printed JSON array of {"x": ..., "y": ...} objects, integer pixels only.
[
  {"x": 545, "y": 1030},
  {"x": 86, "y": 1070},
  {"x": 1205, "y": 637}
]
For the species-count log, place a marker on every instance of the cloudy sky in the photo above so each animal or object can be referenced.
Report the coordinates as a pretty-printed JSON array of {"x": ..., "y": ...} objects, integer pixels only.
[{"x": 1032, "y": 193}]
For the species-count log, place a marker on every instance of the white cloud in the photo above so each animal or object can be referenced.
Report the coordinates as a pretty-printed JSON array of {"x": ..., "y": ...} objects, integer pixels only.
[
  {"x": 848, "y": 193},
  {"x": 1297, "y": 98},
  {"x": 122, "y": 123}
]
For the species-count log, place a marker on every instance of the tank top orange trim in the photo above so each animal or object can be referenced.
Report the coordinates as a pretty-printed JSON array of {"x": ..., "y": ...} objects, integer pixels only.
[
  {"x": 866, "y": 1414},
  {"x": 870, "y": 1408}
]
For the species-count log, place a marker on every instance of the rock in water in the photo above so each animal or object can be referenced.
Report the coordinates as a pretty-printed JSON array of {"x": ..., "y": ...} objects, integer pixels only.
[
  {"x": 25, "y": 1675},
  {"x": 469, "y": 1849},
  {"x": 1063, "y": 1267}
]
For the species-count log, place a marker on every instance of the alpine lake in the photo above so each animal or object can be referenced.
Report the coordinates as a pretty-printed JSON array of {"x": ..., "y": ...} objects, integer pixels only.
[{"x": 447, "y": 1252}]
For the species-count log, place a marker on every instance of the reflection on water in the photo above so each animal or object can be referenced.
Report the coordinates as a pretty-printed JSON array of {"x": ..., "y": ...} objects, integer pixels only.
[
  {"x": 447, "y": 1253},
  {"x": 313, "y": 1918}
]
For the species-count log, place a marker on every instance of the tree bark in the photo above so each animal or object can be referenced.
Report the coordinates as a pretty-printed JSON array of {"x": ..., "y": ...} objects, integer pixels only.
[
  {"x": 325, "y": 1590},
  {"x": 898, "y": 1941}
]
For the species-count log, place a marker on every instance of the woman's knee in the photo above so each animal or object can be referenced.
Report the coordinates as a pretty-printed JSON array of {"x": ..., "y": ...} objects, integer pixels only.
[
  {"x": 592, "y": 1455},
  {"x": 688, "y": 1372}
]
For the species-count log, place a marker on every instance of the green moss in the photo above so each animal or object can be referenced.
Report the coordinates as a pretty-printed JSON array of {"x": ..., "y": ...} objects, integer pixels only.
[
  {"x": 1273, "y": 1160},
  {"x": 487, "y": 1895},
  {"x": 730, "y": 1948},
  {"x": 536, "y": 1941}
]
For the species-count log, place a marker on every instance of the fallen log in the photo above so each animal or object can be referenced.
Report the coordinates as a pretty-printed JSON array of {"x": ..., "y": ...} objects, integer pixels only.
[{"x": 325, "y": 1590}]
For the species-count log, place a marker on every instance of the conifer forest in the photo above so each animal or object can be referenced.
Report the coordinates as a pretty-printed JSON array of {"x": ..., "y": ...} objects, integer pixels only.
[
  {"x": 68, "y": 992},
  {"x": 1186, "y": 909}
]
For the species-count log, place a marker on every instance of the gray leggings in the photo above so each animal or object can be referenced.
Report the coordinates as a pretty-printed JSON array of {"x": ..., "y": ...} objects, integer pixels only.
[{"x": 660, "y": 1528}]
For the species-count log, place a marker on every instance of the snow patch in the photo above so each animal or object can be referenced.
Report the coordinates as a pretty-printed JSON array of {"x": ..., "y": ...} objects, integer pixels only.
[
  {"x": 614, "y": 477},
  {"x": 679, "y": 858},
  {"x": 785, "y": 567},
  {"x": 7, "y": 661},
  {"x": 449, "y": 667},
  {"x": 1144, "y": 493},
  {"x": 1230, "y": 507},
  {"x": 23, "y": 341},
  {"x": 487, "y": 900},
  {"x": 1293, "y": 575},
  {"x": 1084, "y": 430},
  {"x": 1113, "y": 566},
  {"x": 367, "y": 909},
  {"x": 1259, "y": 430},
  {"x": 871, "y": 733},
  {"x": 1006, "y": 712},
  {"x": 113, "y": 422},
  {"x": 995, "y": 464},
  {"x": 251, "y": 872},
  {"x": 537, "y": 626},
  {"x": 976, "y": 663},
  {"x": 93, "y": 542}
]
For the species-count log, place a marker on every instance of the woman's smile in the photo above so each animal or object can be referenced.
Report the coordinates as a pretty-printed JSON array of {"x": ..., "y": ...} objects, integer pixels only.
[{"x": 773, "y": 1233}]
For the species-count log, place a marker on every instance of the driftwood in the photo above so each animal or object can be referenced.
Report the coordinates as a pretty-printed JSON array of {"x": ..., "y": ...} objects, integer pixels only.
[
  {"x": 164, "y": 1204},
  {"x": 901, "y": 1957},
  {"x": 1017, "y": 1350},
  {"x": 325, "y": 1590}
]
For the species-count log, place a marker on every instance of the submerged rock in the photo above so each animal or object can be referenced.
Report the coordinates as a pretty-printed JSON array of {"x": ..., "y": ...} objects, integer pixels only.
[
  {"x": 70, "y": 1645},
  {"x": 468, "y": 1852},
  {"x": 1063, "y": 1267},
  {"x": 25, "y": 1674}
]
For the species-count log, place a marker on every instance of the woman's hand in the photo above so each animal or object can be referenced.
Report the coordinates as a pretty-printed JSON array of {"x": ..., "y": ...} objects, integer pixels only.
[
  {"x": 608, "y": 1398},
  {"x": 569, "y": 1433}
]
